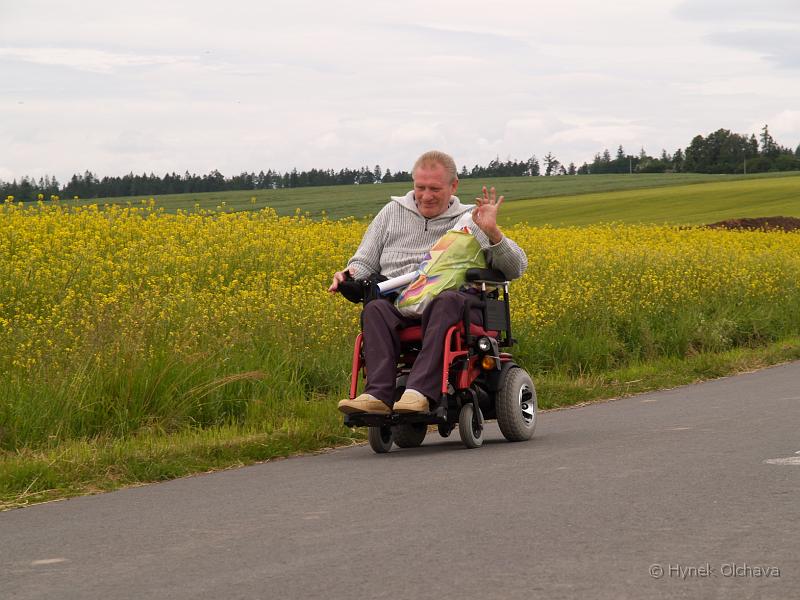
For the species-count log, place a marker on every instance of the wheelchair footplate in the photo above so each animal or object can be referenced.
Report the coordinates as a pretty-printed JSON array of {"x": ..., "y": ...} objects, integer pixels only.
[{"x": 435, "y": 417}]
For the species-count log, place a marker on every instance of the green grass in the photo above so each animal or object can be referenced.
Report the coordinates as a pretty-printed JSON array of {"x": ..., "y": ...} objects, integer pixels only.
[
  {"x": 104, "y": 464},
  {"x": 682, "y": 204},
  {"x": 520, "y": 192},
  {"x": 263, "y": 421}
]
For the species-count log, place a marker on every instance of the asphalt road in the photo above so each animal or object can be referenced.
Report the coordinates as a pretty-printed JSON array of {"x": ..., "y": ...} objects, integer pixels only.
[{"x": 675, "y": 479}]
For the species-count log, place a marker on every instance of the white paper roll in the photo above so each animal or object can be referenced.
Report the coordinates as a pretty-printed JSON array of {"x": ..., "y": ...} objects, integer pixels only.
[{"x": 397, "y": 282}]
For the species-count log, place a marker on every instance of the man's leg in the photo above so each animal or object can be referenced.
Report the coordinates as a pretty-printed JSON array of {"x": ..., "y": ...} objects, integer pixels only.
[
  {"x": 381, "y": 324},
  {"x": 445, "y": 310}
]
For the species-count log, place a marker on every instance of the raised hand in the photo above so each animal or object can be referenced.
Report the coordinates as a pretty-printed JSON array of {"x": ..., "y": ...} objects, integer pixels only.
[{"x": 485, "y": 214}]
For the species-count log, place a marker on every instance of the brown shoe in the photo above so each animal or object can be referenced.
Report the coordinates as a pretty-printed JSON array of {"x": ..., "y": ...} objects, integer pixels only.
[
  {"x": 365, "y": 403},
  {"x": 411, "y": 402},
  {"x": 377, "y": 407}
]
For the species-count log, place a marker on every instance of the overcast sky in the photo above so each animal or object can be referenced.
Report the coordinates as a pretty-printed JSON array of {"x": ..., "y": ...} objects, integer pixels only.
[{"x": 244, "y": 85}]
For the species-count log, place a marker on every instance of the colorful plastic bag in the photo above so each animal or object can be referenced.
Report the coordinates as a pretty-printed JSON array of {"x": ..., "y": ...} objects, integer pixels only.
[{"x": 443, "y": 268}]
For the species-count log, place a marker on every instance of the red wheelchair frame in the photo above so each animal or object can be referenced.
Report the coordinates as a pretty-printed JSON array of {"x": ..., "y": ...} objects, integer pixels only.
[
  {"x": 454, "y": 348},
  {"x": 478, "y": 380}
]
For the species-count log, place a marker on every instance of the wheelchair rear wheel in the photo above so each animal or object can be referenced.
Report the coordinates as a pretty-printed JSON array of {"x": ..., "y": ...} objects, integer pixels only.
[
  {"x": 470, "y": 427},
  {"x": 380, "y": 439},
  {"x": 409, "y": 435},
  {"x": 516, "y": 406}
]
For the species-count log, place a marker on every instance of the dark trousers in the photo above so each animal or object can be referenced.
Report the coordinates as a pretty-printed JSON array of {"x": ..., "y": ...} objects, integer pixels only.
[{"x": 381, "y": 324}]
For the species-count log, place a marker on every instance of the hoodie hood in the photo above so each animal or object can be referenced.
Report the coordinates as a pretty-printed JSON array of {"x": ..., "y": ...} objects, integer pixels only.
[{"x": 455, "y": 209}]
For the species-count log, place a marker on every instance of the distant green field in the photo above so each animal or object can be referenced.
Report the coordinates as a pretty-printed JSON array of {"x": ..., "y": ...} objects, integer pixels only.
[
  {"x": 557, "y": 200},
  {"x": 683, "y": 204}
]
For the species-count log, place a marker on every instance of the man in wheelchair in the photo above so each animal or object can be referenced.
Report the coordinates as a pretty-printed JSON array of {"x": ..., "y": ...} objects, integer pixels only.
[{"x": 394, "y": 244}]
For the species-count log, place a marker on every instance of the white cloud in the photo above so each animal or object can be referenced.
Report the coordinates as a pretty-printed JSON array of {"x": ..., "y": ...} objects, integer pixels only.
[
  {"x": 746, "y": 11},
  {"x": 600, "y": 134},
  {"x": 87, "y": 59},
  {"x": 779, "y": 45},
  {"x": 199, "y": 85}
]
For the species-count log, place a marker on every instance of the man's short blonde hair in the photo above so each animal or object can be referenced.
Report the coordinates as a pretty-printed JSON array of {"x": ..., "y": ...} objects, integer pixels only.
[{"x": 435, "y": 157}]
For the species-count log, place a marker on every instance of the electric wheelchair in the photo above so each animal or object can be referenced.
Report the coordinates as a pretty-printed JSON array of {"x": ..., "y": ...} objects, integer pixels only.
[{"x": 480, "y": 380}]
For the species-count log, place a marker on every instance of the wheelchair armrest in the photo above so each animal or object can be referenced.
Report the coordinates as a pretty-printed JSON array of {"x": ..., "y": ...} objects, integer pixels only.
[
  {"x": 364, "y": 291},
  {"x": 352, "y": 290},
  {"x": 496, "y": 312},
  {"x": 486, "y": 275}
]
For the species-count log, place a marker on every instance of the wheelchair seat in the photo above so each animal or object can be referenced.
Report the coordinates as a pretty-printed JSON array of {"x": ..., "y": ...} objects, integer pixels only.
[{"x": 414, "y": 333}]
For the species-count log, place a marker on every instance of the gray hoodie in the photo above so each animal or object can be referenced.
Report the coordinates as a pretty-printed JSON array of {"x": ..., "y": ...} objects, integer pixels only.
[{"x": 399, "y": 237}]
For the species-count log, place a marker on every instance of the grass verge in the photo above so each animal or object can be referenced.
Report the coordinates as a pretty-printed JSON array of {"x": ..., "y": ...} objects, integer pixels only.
[
  {"x": 104, "y": 464},
  {"x": 521, "y": 193},
  {"x": 692, "y": 203}
]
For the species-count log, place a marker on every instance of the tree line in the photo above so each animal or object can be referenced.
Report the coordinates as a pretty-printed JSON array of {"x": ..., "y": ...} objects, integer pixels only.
[{"x": 719, "y": 152}]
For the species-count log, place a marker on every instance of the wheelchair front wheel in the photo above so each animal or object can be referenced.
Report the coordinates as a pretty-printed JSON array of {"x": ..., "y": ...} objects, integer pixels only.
[
  {"x": 470, "y": 427},
  {"x": 409, "y": 435},
  {"x": 380, "y": 439}
]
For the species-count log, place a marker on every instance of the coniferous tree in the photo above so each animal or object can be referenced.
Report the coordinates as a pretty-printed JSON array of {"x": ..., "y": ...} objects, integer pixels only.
[
  {"x": 533, "y": 169},
  {"x": 752, "y": 146},
  {"x": 551, "y": 165},
  {"x": 768, "y": 146},
  {"x": 677, "y": 160}
]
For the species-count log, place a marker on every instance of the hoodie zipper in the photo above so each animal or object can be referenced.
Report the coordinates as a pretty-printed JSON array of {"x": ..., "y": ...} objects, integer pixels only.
[{"x": 432, "y": 219}]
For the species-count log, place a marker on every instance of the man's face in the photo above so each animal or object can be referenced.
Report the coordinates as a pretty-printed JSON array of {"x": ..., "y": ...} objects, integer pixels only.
[{"x": 432, "y": 189}]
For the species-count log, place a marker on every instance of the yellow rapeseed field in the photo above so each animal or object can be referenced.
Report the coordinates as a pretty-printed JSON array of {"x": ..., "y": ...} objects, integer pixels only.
[{"x": 117, "y": 318}]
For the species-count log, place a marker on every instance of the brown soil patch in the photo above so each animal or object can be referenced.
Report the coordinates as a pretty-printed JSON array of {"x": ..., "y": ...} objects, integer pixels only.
[{"x": 760, "y": 223}]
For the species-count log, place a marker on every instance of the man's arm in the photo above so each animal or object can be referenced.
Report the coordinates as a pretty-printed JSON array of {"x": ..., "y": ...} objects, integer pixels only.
[
  {"x": 508, "y": 257},
  {"x": 367, "y": 259},
  {"x": 501, "y": 252}
]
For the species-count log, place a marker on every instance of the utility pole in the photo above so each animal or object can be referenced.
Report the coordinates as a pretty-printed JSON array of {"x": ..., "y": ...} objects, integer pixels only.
[
  {"x": 630, "y": 164},
  {"x": 745, "y": 165}
]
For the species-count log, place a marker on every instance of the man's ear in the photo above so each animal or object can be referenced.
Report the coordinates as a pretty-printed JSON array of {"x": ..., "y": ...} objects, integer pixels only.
[{"x": 454, "y": 187}]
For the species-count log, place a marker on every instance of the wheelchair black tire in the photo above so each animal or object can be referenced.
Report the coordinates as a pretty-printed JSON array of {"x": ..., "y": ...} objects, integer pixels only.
[
  {"x": 409, "y": 435},
  {"x": 516, "y": 406},
  {"x": 469, "y": 427},
  {"x": 380, "y": 439}
]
